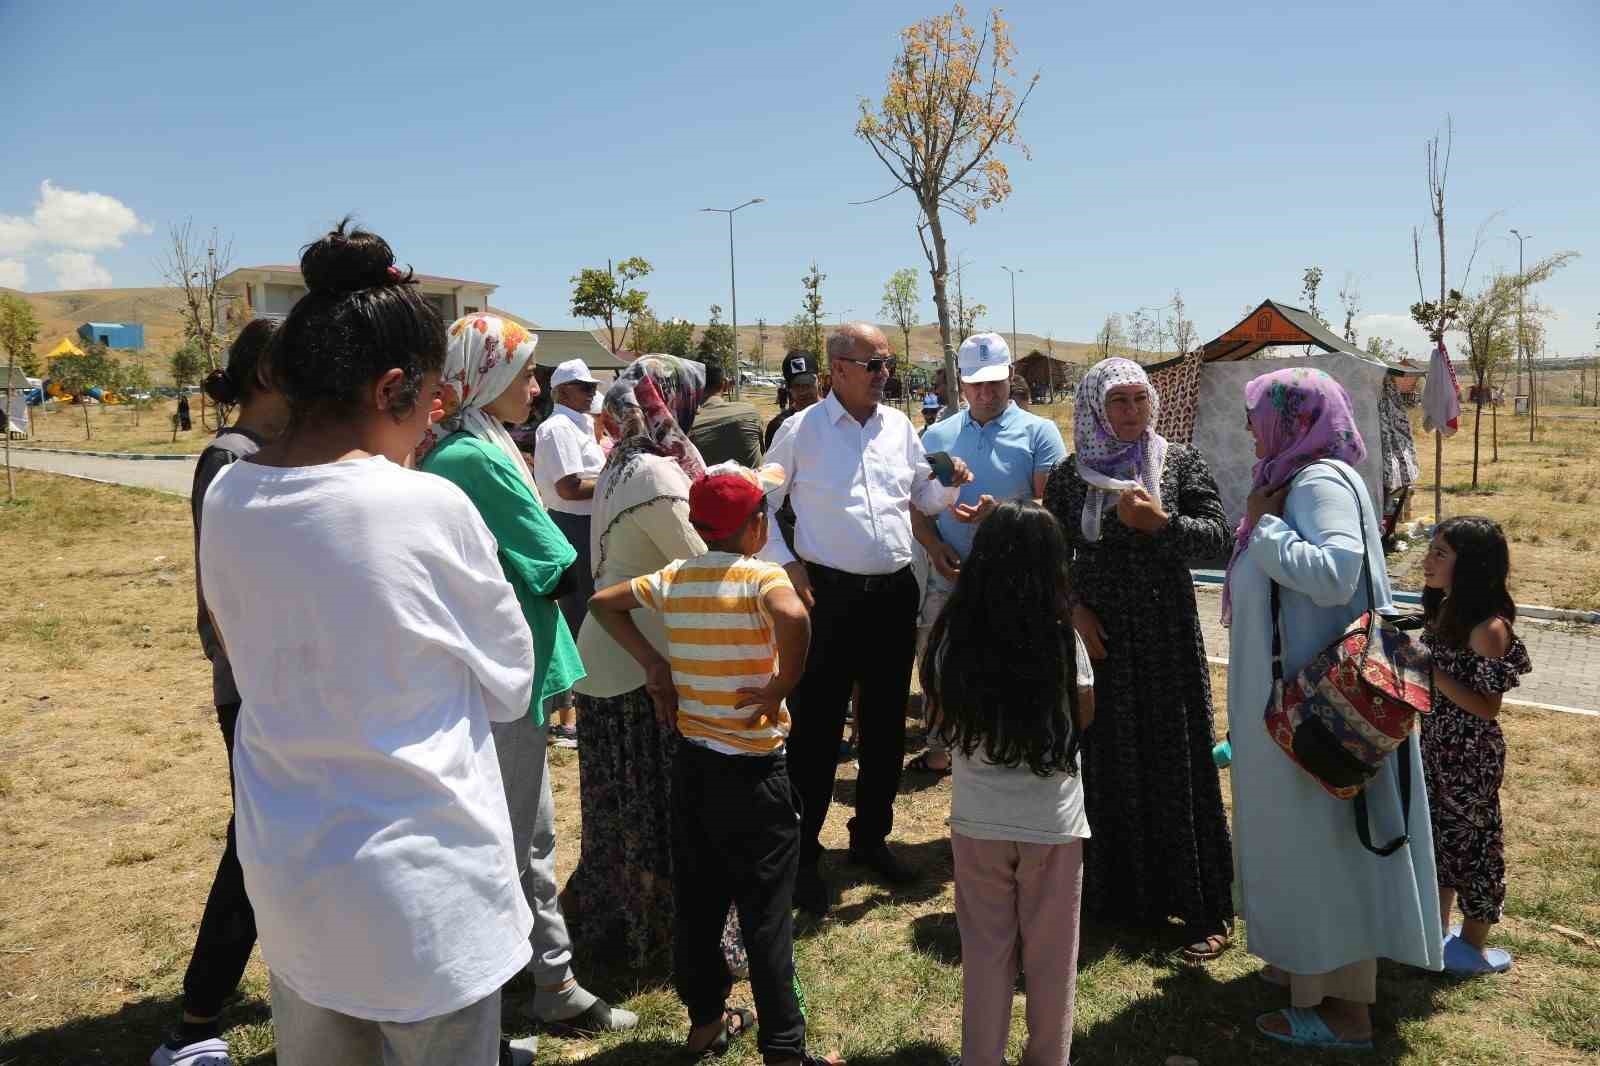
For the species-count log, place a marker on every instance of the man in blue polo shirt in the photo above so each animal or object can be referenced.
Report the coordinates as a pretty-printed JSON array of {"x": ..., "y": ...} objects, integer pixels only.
[{"x": 1010, "y": 453}]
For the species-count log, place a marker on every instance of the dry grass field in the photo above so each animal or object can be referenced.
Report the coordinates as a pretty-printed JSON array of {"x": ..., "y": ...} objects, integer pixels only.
[
  {"x": 119, "y": 428},
  {"x": 114, "y": 798}
]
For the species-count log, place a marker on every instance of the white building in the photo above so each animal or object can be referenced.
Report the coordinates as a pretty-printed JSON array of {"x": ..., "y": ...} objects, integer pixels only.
[{"x": 270, "y": 291}]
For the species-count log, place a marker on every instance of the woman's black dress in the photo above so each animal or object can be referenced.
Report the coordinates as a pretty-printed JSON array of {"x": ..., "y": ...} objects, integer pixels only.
[{"x": 1159, "y": 847}]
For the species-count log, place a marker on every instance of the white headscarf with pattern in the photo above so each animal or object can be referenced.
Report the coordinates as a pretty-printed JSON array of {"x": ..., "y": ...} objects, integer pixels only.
[
  {"x": 1108, "y": 465},
  {"x": 483, "y": 356}
]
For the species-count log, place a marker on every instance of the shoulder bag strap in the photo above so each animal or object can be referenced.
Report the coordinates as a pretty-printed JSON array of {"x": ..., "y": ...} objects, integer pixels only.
[{"x": 1403, "y": 753}]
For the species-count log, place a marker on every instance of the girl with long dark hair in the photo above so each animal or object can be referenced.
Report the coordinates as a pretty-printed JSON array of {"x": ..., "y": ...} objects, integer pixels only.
[
  {"x": 1476, "y": 659},
  {"x": 373, "y": 639},
  {"x": 227, "y": 932},
  {"x": 1010, "y": 690}
]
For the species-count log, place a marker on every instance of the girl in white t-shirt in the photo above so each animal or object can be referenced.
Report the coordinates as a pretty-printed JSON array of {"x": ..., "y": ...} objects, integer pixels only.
[
  {"x": 1010, "y": 690},
  {"x": 373, "y": 639}
]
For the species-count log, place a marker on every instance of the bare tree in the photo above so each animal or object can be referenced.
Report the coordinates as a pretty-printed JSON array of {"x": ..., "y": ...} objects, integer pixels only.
[
  {"x": 948, "y": 106},
  {"x": 1180, "y": 328},
  {"x": 193, "y": 266},
  {"x": 1110, "y": 340},
  {"x": 1350, "y": 299}
]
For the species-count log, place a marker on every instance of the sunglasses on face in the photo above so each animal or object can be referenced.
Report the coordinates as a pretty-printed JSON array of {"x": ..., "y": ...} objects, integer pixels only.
[{"x": 875, "y": 365}]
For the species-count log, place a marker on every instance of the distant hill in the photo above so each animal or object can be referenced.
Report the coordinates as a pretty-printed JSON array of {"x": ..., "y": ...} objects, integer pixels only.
[{"x": 160, "y": 310}]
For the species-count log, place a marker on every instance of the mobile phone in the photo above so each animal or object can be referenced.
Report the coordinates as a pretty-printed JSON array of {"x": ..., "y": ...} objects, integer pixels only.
[{"x": 944, "y": 468}]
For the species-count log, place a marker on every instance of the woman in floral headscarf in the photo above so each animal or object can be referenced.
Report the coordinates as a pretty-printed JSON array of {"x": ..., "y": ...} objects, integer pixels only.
[
  {"x": 488, "y": 380},
  {"x": 1137, "y": 512},
  {"x": 623, "y": 883},
  {"x": 1320, "y": 908}
]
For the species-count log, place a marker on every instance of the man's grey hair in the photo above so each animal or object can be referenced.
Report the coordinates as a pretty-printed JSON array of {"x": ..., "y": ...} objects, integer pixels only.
[{"x": 842, "y": 341}]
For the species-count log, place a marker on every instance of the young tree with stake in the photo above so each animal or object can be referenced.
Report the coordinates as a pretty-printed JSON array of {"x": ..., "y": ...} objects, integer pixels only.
[{"x": 948, "y": 107}]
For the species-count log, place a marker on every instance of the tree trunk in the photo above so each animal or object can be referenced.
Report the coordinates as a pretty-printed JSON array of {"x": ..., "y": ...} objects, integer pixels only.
[
  {"x": 1494, "y": 430},
  {"x": 86, "y": 434},
  {"x": 941, "y": 300},
  {"x": 1477, "y": 422}
]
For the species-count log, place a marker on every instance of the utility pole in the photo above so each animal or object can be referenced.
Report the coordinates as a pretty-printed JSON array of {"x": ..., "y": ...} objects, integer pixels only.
[
  {"x": 1522, "y": 350},
  {"x": 733, "y": 284},
  {"x": 1013, "y": 273},
  {"x": 5, "y": 420}
]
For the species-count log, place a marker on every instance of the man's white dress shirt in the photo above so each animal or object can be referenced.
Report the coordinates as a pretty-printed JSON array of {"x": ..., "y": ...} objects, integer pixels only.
[{"x": 853, "y": 487}]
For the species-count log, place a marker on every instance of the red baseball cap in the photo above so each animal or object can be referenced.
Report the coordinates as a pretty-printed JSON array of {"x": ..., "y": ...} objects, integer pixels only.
[{"x": 722, "y": 501}]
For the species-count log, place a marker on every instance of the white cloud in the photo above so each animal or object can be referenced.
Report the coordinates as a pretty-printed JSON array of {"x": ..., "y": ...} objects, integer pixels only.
[
  {"x": 79, "y": 270},
  {"x": 67, "y": 218},
  {"x": 13, "y": 273},
  {"x": 1397, "y": 327}
]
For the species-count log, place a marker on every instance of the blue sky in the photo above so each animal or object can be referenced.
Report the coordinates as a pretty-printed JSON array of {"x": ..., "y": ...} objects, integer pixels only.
[{"x": 1218, "y": 149}]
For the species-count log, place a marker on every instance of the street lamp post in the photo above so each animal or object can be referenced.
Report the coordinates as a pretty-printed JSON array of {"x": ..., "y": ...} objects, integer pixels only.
[
  {"x": 1013, "y": 274},
  {"x": 1522, "y": 353},
  {"x": 733, "y": 284}
]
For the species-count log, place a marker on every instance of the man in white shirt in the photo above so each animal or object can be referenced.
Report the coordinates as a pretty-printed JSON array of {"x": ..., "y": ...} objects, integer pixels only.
[
  {"x": 566, "y": 461},
  {"x": 855, "y": 468}
]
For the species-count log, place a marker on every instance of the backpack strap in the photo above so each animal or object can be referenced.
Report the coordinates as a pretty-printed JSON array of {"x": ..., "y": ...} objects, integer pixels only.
[{"x": 1364, "y": 831}]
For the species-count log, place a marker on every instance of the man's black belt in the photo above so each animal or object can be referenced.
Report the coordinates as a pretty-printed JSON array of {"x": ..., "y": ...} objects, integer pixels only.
[{"x": 827, "y": 575}]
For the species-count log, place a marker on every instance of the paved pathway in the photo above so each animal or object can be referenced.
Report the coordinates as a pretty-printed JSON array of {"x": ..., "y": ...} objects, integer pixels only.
[
  {"x": 163, "y": 475},
  {"x": 1566, "y": 658}
]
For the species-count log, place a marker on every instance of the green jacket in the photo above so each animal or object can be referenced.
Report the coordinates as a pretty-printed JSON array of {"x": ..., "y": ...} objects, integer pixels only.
[{"x": 533, "y": 553}]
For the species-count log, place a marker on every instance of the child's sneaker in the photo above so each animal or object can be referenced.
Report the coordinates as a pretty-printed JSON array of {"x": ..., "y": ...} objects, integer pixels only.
[{"x": 212, "y": 1051}]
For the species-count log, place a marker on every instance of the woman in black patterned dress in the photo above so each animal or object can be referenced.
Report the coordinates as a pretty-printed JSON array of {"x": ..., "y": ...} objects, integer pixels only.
[
  {"x": 1477, "y": 657},
  {"x": 1137, "y": 511}
]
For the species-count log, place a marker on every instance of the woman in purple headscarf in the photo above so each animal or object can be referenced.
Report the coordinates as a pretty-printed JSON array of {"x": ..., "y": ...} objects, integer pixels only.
[
  {"x": 1320, "y": 908},
  {"x": 1137, "y": 512}
]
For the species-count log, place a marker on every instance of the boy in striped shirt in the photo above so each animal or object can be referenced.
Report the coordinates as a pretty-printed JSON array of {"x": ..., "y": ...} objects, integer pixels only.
[{"x": 737, "y": 636}]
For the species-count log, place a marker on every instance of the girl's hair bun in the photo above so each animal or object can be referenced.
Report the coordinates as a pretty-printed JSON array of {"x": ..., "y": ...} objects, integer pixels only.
[
  {"x": 220, "y": 386},
  {"x": 349, "y": 259}
]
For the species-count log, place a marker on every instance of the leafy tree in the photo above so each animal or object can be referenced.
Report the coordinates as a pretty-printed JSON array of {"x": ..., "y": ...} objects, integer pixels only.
[
  {"x": 135, "y": 386},
  {"x": 717, "y": 342},
  {"x": 675, "y": 336},
  {"x": 19, "y": 329},
  {"x": 948, "y": 106},
  {"x": 900, "y": 299},
  {"x": 607, "y": 295},
  {"x": 1311, "y": 281},
  {"x": 801, "y": 334},
  {"x": 1384, "y": 348},
  {"x": 188, "y": 364},
  {"x": 1490, "y": 322},
  {"x": 811, "y": 305},
  {"x": 77, "y": 374}
]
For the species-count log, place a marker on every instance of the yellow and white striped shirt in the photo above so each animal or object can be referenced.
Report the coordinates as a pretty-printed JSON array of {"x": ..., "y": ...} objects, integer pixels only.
[{"x": 719, "y": 639}]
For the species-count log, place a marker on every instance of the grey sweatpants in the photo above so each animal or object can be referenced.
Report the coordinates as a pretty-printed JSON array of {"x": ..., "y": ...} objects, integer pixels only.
[
  {"x": 521, "y": 747},
  {"x": 308, "y": 1035}
]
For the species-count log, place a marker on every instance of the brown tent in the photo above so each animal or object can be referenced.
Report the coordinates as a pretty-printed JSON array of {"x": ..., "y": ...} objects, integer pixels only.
[{"x": 1048, "y": 373}]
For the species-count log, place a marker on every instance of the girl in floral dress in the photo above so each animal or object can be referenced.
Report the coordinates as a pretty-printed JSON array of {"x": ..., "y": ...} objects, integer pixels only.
[{"x": 1477, "y": 658}]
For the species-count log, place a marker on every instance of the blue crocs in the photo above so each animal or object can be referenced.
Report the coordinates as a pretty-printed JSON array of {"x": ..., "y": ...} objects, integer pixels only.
[
  {"x": 1464, "y": 960},
  {"x": 1307, "y": 1029}
]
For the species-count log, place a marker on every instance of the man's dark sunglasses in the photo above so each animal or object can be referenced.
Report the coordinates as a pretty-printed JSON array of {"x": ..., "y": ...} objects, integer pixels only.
[{"x": 873, "y": 365}]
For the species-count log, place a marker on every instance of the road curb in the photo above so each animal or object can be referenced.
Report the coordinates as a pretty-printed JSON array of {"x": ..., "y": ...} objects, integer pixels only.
[
  {"x": 111, "y": 455},
  {"x": 1208, "y": 578}
]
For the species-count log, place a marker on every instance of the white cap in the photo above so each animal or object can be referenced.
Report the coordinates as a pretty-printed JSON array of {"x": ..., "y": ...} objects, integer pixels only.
[
  {"x": 984, "y": 357},
  {"x": 572, "y": 370}
]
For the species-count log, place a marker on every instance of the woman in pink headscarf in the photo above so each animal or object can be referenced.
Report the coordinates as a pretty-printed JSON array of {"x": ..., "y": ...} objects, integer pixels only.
[
  {"x": 1321, "y": 909},
  {"x": 1138, "y": 511}
]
